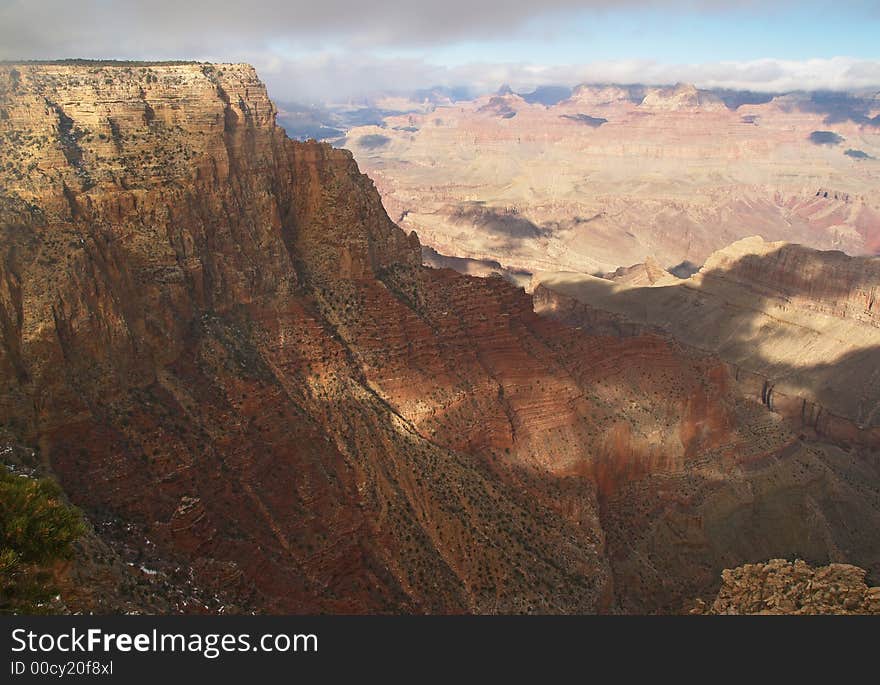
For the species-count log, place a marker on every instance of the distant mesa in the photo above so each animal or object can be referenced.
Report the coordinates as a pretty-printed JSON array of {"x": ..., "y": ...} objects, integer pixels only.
[
  {"x": 605, "y": 95},
  {"x": 826, "y": 138},
  {"x": 673, "y": 176},
  {"x": 500, "y": 106},
  {"x": 443, "y": 94},
  {"x": 840, "y": 107},
  {"x": 682, "y": 97},
  {"x": 595, "y": 122}
]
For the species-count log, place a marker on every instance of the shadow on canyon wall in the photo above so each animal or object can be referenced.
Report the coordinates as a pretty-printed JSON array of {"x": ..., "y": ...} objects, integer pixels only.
[
  {"x": 594, "y": 122},
  {"x": 509, "y": 225},
  {"x": 724, "y": 316},
  {"x": 811, "y": 492},
  {"x": 840, "y": 107}
]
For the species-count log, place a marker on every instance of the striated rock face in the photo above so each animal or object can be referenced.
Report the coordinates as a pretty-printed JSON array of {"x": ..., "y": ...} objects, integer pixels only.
[
  {"x": 783, "y": 587},
  {"x": 830, "y": 283},
  {"x": 235, "y": 362},
  {"x": 798, "y": 327}
]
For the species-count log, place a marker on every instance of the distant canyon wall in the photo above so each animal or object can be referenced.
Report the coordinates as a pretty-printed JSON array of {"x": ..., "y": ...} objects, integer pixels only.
[{"x": 603, "y": 179}]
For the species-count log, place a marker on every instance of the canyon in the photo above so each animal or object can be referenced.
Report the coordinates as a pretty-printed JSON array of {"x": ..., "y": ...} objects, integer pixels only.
[
  {"x": 799, "y": 328},
  {"x": 613, "y": 174},
  {"x": 238, "y": 366}
]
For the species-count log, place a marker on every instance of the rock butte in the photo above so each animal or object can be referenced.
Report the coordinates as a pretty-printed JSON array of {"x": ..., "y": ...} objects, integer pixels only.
[
  {"x": 605, "y": 178},
  {"x": 236, "y": 364}
]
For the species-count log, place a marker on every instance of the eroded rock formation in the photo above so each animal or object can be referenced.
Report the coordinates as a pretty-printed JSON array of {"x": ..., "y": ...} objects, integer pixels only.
[
  {"x": 800, "y": 328},
  {"x": 784, "y": 587},
  {"x": 235, "y": 362},
  {"x": 615, "y": 173}
]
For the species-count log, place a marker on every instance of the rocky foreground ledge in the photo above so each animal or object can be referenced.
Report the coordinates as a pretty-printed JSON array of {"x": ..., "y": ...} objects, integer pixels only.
[{"x": 784, "y": 587}]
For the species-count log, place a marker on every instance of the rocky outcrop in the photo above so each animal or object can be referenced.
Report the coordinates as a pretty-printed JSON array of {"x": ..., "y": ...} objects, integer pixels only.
[
  {"x": 226, "y": 351},
  {"x": 683, "y": 97},
  {"x": 647, "y": 273},
  {"x": 784, "y": 587},
  {"x": 830, "y": 283}
]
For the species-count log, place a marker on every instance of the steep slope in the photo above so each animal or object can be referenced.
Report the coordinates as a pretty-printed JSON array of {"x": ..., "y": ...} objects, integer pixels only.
[
  {"x": 172, "y": 347},
  {"x": 234, "y": 361},
  {"x": 800, "y": 328}
]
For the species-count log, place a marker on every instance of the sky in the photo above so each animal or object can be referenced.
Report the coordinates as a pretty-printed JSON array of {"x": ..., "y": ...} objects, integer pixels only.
[{"x": 337, "y": 50}]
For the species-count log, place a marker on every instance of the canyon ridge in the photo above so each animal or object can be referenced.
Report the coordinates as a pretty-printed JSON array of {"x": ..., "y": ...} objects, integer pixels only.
[{"x": 236, "y": 364}]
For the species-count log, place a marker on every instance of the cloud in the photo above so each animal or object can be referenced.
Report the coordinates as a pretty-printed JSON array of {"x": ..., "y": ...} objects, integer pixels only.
[
  {"x": 157, "y": 28},
  {"x": 336, "y": 77},
  {"x": 339, "y": 49}
]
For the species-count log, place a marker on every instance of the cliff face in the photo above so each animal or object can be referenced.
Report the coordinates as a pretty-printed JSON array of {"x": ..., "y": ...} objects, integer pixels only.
[
  {"x": 799, "y": 328},
  {"x": 830, "y": 283},
  {"x": 234, "y": 361}
]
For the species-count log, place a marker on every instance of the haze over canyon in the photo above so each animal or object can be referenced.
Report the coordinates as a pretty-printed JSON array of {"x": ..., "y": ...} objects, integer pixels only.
[{"x": 599, "y": 177}]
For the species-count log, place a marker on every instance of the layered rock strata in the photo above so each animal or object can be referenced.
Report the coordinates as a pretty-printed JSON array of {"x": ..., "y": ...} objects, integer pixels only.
[
  {"x": 798, "y": 327},
  {"x": 234, "y": 361},
  {"x": 614, "y": 173}
]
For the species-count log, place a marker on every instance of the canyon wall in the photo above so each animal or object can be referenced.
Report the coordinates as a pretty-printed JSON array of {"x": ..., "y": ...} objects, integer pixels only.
[
  {"x": 235, "y": 363},
  {"x": 798, "y": 328}
]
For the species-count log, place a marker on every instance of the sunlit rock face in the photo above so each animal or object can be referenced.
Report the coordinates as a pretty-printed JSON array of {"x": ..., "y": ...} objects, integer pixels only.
[
  {"x": 615, "y": 174},
  {"x": 784, "y": 587},
  {"x": 799, "y": 327},
  {"x": 232, "y": 357}
]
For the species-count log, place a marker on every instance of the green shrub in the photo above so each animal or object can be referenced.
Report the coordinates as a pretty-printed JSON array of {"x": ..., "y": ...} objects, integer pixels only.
[{"x": 37, "y": 528}]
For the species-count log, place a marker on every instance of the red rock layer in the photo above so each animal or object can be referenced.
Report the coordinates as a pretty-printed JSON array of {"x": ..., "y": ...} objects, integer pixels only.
[{"x": 222, "y": 344}]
